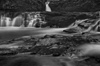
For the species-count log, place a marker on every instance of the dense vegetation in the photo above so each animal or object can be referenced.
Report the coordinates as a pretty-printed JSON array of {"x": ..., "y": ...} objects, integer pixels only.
[{"x": 61, "y": 5}]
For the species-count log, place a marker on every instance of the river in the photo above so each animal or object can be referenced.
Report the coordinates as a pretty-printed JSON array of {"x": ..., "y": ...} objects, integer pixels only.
[{"x": 7, "y": 33}]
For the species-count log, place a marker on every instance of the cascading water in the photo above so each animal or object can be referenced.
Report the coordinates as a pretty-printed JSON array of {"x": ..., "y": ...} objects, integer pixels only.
[
  {"x": 32, "y": 23},
  {"x": 17, "y": 21},
  {"x": 3, "y": 23},
  {"x": 8, "y": 21},
  {"x": 85, "y": 26},
  {"x": 32, "y": 20},
  {"x": 48, "y": 9}
]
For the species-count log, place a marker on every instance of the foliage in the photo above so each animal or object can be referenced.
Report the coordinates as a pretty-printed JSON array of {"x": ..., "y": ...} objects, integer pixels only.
[{"x": 61, "y": 5}]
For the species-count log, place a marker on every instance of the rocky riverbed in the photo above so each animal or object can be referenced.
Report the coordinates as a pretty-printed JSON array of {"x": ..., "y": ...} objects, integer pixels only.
[{"x": 52, "y": 45}]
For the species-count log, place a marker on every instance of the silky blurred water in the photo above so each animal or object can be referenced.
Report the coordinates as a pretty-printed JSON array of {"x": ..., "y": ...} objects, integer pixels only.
[{"x": 7, "y": 33}]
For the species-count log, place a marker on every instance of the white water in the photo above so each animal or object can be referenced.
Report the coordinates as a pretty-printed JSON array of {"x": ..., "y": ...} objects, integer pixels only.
[
  {"x": 32, "y": 23},
  {"x": 7, "y": 22},
  {"x": 3, "y": 23},
  {"x": 92, "y": 25},
  {"x": 17, "y": 22},
  {"x": 48, "y": 9}
]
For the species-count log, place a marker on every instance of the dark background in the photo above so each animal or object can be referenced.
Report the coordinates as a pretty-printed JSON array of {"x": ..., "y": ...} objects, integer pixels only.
[{"x": 59, "y": 6}]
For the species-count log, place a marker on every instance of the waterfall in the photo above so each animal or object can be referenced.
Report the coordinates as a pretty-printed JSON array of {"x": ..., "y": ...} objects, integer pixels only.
[
  {"x": 33, "y": 19},
  {"x": 32, "y": 23},
  {"x": 47, "y": 7},
  {"x": 3, "y": 22},
  {"x": 36, "y": 21},
  {"x": 17, "y": 21},
  {"x": 8, "y": 21}
]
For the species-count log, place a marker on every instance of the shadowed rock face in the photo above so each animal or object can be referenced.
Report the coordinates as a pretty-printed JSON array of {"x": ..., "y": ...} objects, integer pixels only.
[{"x": 61, "y": 5}]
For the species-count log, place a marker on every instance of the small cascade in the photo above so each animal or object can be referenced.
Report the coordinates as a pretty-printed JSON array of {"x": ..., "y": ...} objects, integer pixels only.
[
  {"x": 8, "y": 21},
  {"x": 27, "y": 19},
  {"x": 97, "y": 25},
  {"x": 35, "y": 21},
  {"x": 32, "y": 23},
  {"x": 86, "y": 25},
  {"x": 48, "y": 9},
  {"x": 3, "y": 23},
  {"x": 17, "y": 21}
]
